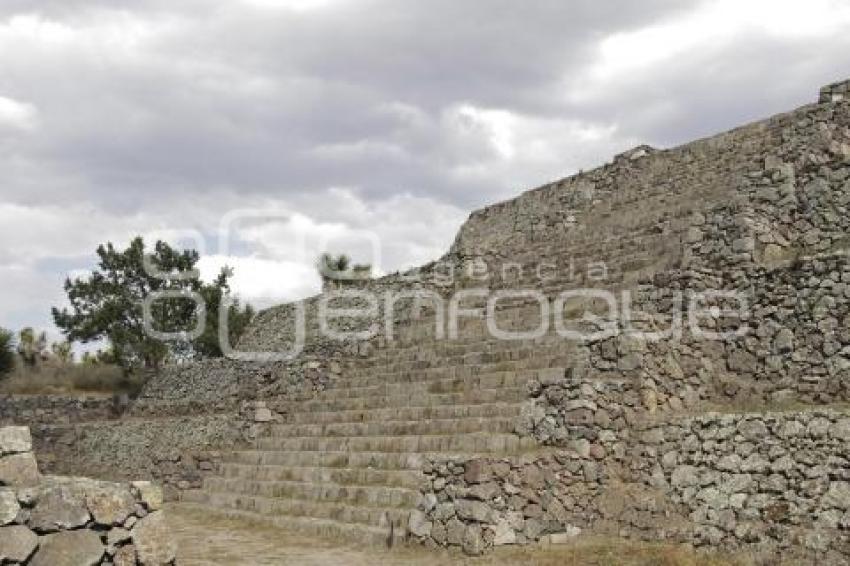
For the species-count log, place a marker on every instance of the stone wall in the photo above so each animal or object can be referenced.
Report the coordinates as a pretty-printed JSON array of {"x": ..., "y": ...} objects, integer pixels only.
[
  {"x": 53, "y": 409},
  {"x": 175, "y": 451},
  {"x": 776, "y": 483},
  {"x": 51, "y": 520}
]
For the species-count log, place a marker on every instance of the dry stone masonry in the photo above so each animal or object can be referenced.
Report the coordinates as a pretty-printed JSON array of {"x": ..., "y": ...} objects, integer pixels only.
[
  {"x": 702, "y": 400},
  {"x": 57, "y": 521}
]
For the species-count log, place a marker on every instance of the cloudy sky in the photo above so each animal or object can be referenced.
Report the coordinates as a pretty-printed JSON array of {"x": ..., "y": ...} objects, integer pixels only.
[{"x": 329, "y": 118}]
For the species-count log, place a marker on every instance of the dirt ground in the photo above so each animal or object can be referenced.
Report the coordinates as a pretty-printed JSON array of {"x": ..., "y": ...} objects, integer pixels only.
[{"x": 210, "y": 541}]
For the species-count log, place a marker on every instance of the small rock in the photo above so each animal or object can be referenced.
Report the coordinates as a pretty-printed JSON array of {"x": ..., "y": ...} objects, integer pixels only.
[
  {"x": 503, "y": 533},
  {"x": 838, "y": 495},
  {"x": 418, "y": 524},
  {"x": 472, "y": 542},
  {"x": 565, "y": 537},
  {"x": 784, "y": 342},
  {"x": 477, "y": 471},
  {"x": 685, "y": 476},
  {"x": 474, "y": 511}
]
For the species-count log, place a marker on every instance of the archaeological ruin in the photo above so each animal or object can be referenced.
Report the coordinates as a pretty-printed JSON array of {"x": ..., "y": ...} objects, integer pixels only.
[{"x": 657, "y": 349}]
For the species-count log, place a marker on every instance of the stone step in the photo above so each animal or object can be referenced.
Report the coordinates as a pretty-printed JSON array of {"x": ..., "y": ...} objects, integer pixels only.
[
  {"x": 367, "y": 495},
  {"x": 476, "y": 397},
  {"x": 411, "y": 479},
  {"x": 322, "y": 528},
  {"x": 497, "y": 380},
  {"x": 482, "y": 442},
  {"x": 394, "y": 428},
  {"x": 339, "y": 459},
  {"x": 422, "y": 357},
  {"x": 404, "y": 377},
  {"x": 282, "y": 507},
  {"x": 495, "y": 410}
]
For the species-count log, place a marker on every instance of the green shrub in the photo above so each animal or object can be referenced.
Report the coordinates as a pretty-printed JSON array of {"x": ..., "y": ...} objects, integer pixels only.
[{"x": 7, "y": 351}]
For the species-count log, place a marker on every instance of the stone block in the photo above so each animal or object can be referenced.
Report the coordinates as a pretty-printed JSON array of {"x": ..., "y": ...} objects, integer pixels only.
[
  {"x": 19, "y": 470},
  {"x": 8, "y": 506},
  {"x": 17, "y": 544},
  {"x": 69, "y": 548},
  {"x": 14, "y": 440},
  {"x": 154, "y": 545}
]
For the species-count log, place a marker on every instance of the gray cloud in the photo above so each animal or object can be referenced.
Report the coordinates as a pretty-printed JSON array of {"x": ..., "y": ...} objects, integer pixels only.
[{"x": 168, "y": 114}]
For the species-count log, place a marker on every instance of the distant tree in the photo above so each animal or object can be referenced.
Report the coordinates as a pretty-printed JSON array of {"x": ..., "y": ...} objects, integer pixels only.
[
  {"x": 340, "y": 268},
  {"x": 7, "y": 351},
  {"x": 63, "y": 352},
  {"x": 109, "y": 303},
  {"x": 32, "y": 347},
  {"x": 238, "y": 317}
]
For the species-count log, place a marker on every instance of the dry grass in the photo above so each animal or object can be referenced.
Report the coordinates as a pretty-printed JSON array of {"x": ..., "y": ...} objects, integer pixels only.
[
  {"x": 617, "y": 552},
  {"x": 71, "y": 379},
  {"x": 206, "y": 539}
]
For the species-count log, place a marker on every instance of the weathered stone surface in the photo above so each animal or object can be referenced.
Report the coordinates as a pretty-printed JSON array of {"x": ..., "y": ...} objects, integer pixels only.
[
  {"x": 149, "y": 494},
  {"x": 8, "y": 506},
  {"x": 14, "y": 440},
  {"x": 418, "y": 524},
  {"x": 125, "y": 556},
  {"x": 685, "y": 476},
  {"x": 154, "y": 545},
  {"x": 19, "y": 470},
  {"x": 566, "y": 537},
  {"x": 59, "y": 506},
  {"x": 110, "y": 504},
  {"x": 474, "y": 511},
  {"x": 17, "y": 544},
  {"x": 838, "y": 495},
  {"x": 503, "y": 533},
  {"x": 69, "y": 548},
  {"x": 118, "y": 536},
  {"x": 477, "y": 471},
  {"x": 472, "y": 543}
]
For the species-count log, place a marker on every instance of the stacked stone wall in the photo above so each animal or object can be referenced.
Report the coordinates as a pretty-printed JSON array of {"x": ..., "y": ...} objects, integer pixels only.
[{"x": 50, "y": 520}]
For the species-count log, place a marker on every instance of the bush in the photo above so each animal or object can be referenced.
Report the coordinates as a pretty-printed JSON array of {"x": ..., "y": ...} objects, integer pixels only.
[{"x": 7, "y": 351}]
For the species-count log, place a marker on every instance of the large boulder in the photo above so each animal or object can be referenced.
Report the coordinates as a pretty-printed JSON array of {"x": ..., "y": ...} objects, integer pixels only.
[
  {"x": 70, "y": 548},
  {"x": 15, "y": 440},
  {"x": 17, "y": 543},
  {"x": 59, "y": 506},
  {"x": 110, "y": 503},
  {"x": 154, "y": 545},
  {"x": 19, "y": 470}
]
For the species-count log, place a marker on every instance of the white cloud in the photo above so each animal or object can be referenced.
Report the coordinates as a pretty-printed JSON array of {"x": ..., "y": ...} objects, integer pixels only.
[
  {"x": 17, "y": 115},
  {"x": 630, "y": 56}
]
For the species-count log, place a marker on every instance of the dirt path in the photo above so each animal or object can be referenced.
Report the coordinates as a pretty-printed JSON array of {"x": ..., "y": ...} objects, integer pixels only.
[{"x": 209, "y": 541}]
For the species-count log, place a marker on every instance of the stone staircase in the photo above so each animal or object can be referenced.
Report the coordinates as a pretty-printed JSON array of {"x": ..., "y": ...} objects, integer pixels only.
[{"x": 348, "y": 463}]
